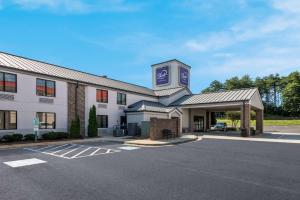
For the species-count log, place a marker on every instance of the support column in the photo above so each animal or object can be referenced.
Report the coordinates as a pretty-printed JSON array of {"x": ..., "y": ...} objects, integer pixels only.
[
  {"x": 259, "y": 121},
  {"x": 207, "y": 120},
  {"x": 246, "y": 117},
  {"x": 190, "y": 121}
]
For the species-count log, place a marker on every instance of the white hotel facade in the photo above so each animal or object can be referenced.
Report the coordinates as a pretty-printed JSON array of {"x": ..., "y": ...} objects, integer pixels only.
[{"x": 31, "y": 88}]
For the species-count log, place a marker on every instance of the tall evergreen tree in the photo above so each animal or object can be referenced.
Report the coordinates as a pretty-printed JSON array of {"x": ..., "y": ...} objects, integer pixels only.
[
  {"x": 291, "y": 95},
  {"x": 92, "y": 127},
  {"x": 215, "y": 86}
]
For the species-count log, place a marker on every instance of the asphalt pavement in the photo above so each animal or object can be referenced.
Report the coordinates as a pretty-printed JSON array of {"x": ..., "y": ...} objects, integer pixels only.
[{"x": 207, "y": 169}]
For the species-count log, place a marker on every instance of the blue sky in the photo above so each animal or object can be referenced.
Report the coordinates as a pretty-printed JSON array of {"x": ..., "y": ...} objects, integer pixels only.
[{"x": 121, "y": 39}]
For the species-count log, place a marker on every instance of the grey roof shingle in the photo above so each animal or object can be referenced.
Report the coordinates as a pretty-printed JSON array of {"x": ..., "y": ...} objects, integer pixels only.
[
  {"x": 30, "y": 65},
  {"x": 150, "y": 106},
  {"x": 216, "y": 97}
]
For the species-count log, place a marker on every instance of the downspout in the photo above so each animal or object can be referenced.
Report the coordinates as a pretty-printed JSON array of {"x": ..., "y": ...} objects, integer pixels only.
[
  {"x": 244, "y": 113},
  {"x": 76, "y": 95}
]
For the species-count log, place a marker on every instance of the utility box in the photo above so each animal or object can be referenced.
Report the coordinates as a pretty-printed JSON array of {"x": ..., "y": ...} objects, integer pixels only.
[
  {"x": 132, "y": 129},
  {"x": 145, "y": 129}
]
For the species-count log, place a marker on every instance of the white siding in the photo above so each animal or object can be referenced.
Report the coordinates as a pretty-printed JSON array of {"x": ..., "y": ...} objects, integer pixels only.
[
  {"x": 113, "y": 109},
  {"x": 26, "y": 103}
]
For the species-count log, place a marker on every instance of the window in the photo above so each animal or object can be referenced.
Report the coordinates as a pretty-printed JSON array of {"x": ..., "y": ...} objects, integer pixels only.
[
  {"x": 121, "y": 99},
  {"x": 45, "y": 88},
  {"x": 102, "y": 121},
  {"x": 8, "y": 82},
  {"x": 8, "y": 120},
  {"x": 47, "y": 120},
  {"x": 102, "y": 96}
]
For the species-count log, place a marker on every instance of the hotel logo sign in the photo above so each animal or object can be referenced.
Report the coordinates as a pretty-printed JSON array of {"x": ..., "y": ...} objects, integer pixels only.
[
  {"x": 162, "y": 75},
  {"x": 184, "y": 76}
]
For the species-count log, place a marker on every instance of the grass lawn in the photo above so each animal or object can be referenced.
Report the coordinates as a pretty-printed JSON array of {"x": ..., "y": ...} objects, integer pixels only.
[{"x": 267, "y": 122}]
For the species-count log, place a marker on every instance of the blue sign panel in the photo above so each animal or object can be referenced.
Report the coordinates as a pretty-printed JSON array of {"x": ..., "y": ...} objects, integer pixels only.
[
  {"x": 184, "y": 76},
  {"x": 162, "y": 75}
]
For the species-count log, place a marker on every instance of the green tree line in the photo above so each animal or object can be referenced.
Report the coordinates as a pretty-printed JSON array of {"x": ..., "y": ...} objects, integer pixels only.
[{"x": 280, "y": 94}]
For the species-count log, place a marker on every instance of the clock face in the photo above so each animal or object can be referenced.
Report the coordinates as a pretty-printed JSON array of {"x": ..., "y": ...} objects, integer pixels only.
[
  {"x": 184, "y": 76},
  {"x": 162, "y": 75}
]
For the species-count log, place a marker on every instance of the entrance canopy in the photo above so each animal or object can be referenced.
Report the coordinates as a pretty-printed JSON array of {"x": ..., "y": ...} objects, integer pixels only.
[
  {"x": 241, "y": 100},
  {"x": 221, "y": 100}
]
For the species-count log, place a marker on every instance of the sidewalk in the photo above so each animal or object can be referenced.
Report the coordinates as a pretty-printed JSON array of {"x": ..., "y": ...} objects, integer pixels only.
[
  {"x": 148, "y": 142},
  {"x": 129, "y": 140},
  {"x": 58, "y": 142},
  {"x": 254, "y": 139}
]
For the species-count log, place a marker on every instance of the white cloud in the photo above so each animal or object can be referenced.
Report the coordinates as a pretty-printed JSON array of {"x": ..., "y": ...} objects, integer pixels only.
[
  {"x": 290, "y": 6},
  {"x": 77, "y": 6}
]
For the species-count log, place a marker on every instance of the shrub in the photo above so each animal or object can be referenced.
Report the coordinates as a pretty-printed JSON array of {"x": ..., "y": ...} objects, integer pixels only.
[
  {"x": 75, "y": 128},
  {"x": 62, "y": 135},
  {"x": 231, "y": 129},
  {"x": 17, "y": 137},
  {"x": 54, "y": 135},
  {"x": 29, "y": 137},
  {"x": 92, "y": 127},
  {"x": 244, "y": 132},
  {"x": 7, "y": 138}
]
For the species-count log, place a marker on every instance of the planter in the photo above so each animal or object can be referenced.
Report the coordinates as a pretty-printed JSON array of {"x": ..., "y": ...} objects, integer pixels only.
[{"x": 244, "y": 132}]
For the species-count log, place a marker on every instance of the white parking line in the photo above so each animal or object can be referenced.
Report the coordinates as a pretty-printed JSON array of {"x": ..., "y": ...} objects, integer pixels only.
[
  {"x": 73, "y": 151},
  {"x": 69, "y": 147},
  {"x": 69, "y": 152},
  {"x": 81, "y": 152},
  {"x": 95, "y": 151},
  {"x": 56, "y": 147},
  {"x": 129, "y": 148},
  {"x": 45, "y": 147},
  {"x": 25, "y": 162}
]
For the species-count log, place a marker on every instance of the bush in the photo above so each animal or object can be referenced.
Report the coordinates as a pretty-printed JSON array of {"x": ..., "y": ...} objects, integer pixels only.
[
  {"x": 75, "y": 128},
  {"x": 244, "y": 132},
  {"x": 231, "y": 129},
  {"x": 7, "y": 138},
  {"x": 252, "y": 131},
  {"x": 55, "y": 135},
  {"x": 29, "y": 137},
  {"x": 17, "y": 137},
  {"x": 92, "y": 127}
]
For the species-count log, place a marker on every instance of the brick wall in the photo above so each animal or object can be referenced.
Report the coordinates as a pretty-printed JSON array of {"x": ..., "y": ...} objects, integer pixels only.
[
  {"x": 157, "y": 125},
  {"x": 80, "y": 108}
]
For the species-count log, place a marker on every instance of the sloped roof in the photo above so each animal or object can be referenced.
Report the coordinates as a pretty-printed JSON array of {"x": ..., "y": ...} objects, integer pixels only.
[
  {"x": 168, "y": 92},
  {"x": 216, "y": 97},
  {"x": 149, "y": 106},
  {"x": 30, "y": 65}
]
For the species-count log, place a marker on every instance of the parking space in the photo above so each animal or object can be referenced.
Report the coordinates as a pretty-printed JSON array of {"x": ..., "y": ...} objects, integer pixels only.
[
  {"x": 206, "y": 169},
  {"x": 74, "y": 151}
]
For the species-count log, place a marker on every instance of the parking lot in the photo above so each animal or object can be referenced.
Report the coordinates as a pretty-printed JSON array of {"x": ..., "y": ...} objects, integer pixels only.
[{"x": 207, "y": 169}]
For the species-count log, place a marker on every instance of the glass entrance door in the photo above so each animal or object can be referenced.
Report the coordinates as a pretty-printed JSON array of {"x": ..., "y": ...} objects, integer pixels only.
[{"x": 198, "y": 124}]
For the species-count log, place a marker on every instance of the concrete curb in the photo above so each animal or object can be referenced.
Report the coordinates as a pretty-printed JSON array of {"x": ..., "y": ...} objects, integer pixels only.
[
  {"x": 126, "y": 141},
  {"x": 161, "y": 142},
  {"x": 252, "y": 139}
]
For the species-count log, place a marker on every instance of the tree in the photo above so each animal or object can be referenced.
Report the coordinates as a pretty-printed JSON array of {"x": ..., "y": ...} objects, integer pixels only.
[
  {"x": 215, "y": 86},
  {"x": 75, "y": 128},
  {"x": 92, "y": 127},
  {"x": 232, "y": 83},
  {"x": 246, "y": 82},
  {"x": 291, "y": 95},
  {"x": 234, "y": 117}
]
